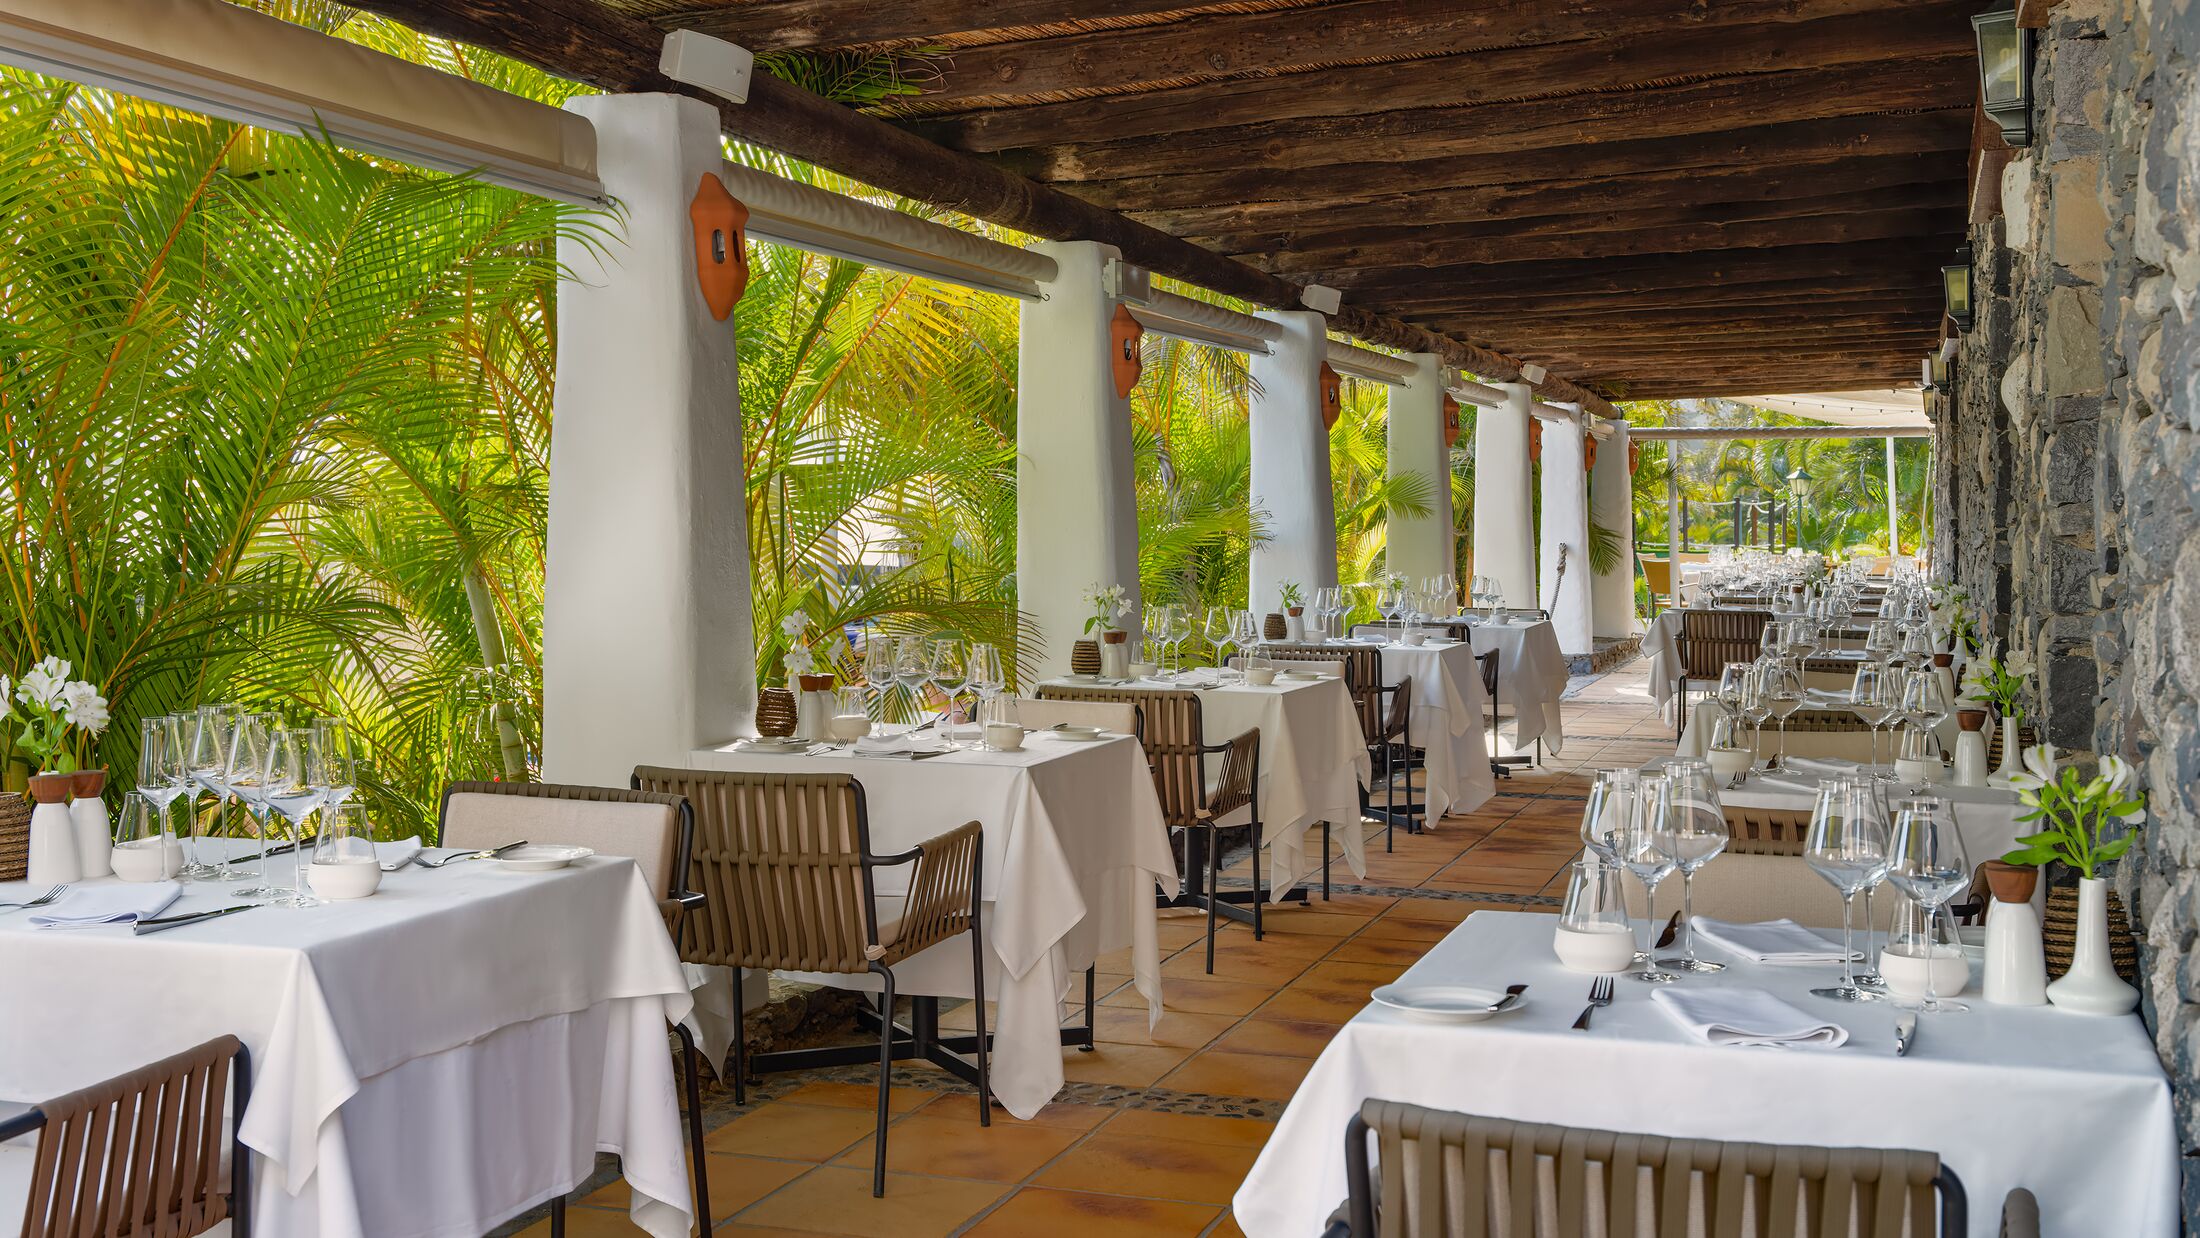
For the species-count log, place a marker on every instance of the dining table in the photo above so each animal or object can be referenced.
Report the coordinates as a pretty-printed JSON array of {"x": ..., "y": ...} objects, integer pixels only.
[
  {"x": 1532, "y": 672},
  {"x": 2073, "y": 1107},
  {"x": 1074, "y": 852},
  {"x": 1449, "y": 713},
  {"x": 432, "y": 1060}
]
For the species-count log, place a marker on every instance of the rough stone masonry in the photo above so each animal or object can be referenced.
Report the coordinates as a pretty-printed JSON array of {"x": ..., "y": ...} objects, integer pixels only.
[{"x": 2068, "y": 458}]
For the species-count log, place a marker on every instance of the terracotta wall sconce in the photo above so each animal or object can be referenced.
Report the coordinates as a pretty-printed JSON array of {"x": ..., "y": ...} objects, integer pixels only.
[
  {"x": 1332, "y": 391},
  {"x": 1124, "y": 332},
  {"x": 721, "y": 245}
]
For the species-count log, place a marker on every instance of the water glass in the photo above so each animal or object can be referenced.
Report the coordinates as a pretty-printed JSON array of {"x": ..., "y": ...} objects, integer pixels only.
[
  {"x": 1640, "y": 852},
  {"x": 1690, "y": 827},
  {"x": 1926, "y": 861},
  {"x": 1847, "y": 845}
]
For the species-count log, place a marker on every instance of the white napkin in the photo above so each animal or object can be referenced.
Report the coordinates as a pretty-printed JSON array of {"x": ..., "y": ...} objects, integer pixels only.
[
  {"x": 403, "y": 850},
  {"x": 902, "y": 744},
  {"x": 120, "y": 903},
  {"x": 1805, "y": 783},
  {"x": 1769, "y": 941},
  {"x": 1824, "y": 766},
  {"x": 1747, "y": 1017}
]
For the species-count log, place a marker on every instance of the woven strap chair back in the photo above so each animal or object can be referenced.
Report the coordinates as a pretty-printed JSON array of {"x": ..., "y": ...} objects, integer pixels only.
[
  {"x": 1825, "y": 722},
  {"x": 1766, "y": 831},
  {"x": 1489, "y": 663},
  {"x": 1400, "y": 711},
  {"x": 1363, "y": 677},
  {"x": 779, "y": 857},
  {"x": 1449, "y": 1175},
  {"x": 1712, "y": 638},
  {"x": 1172, "y": 738},
  {"x": 139, "y": 1154}
]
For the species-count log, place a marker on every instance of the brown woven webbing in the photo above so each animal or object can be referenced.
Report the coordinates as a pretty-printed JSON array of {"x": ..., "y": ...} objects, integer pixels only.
[
  {"x": 938, "y": 907},
  {"x": 1710, "y": 639},
  {"x": 1363, "y": 677},
  {"x": 1766, "y": 831},
  {"x": 1824, "y": 722},
  {"x": 1437, "y": 1180},
  {"x": 139, "y": 1154}
]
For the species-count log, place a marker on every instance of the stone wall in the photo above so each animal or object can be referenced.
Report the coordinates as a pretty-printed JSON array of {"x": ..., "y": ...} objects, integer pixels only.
[{"x": 2070, "y": 455}]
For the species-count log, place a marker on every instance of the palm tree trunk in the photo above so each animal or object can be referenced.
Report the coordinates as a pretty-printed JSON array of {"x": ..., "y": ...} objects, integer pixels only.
[{"x": 491, "y": 639}]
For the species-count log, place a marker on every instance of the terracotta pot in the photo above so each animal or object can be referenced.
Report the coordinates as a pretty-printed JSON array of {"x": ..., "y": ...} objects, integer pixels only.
[
  {"x": 1971, "y": 719},
  {"x": 1115, "y": 636},
  {"x": 86, "y": 784},
  {"x": 2011, "y": 883},
  {"x": 1944, "y": 659},
  {"x": 50, "y": 788},
  {"x": 775, "y": 713},
  {"x": 815, "y": 683},
  {"x": 1294, "y": 611}
]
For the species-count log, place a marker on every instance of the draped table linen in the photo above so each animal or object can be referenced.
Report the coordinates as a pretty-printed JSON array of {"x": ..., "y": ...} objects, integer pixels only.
[
  {"x": 1448, "y": 712},
  {"x": 1532, "y": 673},
  {"x": 1074, "y": 849},
  {"x": 2073, "y": 1107},
  {"x": 432, "y": 1060}
]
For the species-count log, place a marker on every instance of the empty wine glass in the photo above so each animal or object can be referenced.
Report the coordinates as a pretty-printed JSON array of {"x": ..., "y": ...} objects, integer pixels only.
[
  {"x": 162, "y": 765},
  {"x": 878, "y": 670},
  {"x": 912, "y": 668},
  {"x": 1216, "y": 629},
  {"x": 1782, "y": 687},
  {"x": 286, "y": 787},
  {"x": 1756, "y": 708},
  {"x": 245, "y": 777},
  {"x": 1690, "y": 827},
  {"x": 1846, "y": 845},
  {"x": 336, "y": 768},
  {"x": 1245, "y": 633},
  {"x": 1926, "y": 862},
  {"x": 1389, "y": 600},
  {"x": 946, "y": 674},
  {"x": 1179, "y": 630},
  {"x": 1640, "y": 851},
  {"x": 1870, "y": 699},
  {"x": 1613, "y": 799},
  {"x": 208, "y": 766}
]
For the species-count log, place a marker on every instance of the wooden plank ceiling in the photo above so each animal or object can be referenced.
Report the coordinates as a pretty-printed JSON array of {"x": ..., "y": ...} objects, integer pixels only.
[{"x": 1651, "y": 197}]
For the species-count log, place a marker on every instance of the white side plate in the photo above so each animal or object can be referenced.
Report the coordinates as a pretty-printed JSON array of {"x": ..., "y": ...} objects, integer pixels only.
[
  {"x": 1443, "y": 1003},
  {"x": 540, "y": 858}
]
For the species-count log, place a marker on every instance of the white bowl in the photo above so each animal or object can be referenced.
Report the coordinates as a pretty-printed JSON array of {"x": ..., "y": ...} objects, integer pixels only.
[
  {"x": 1604, "y": 952},
  {"x": 347, "y": 879},
  {"x": 1260, "y": 676},
  {"x": 1004, "y": 736},
  {"x": 1905, "y": 972}
]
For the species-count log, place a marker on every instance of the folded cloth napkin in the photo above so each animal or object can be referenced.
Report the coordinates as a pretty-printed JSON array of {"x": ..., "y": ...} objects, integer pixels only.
[
  {"x": 1825, "y": 766},
  {"x": 1747, "y": 1017},
  {"x": 119, "y": 903},
  {"x": 904, "y": 744},
  {"x": 1769, "y": 941},
  {"x": 401, "y": 851},
  {"x": 1805, "y": 783}
]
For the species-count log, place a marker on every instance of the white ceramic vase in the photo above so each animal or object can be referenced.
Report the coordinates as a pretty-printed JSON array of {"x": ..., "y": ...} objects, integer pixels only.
[
  {"x": 1294, "y": 627},
  {"x": 1971, "y": 759},
  {"x": 95, "y": 839},
  {"x": 1115, "y": 659},
  {"x": 2012, "y": 754},
  {"x": 2091, "y": 986},
  {"x": 2016, "y": 963},
  {"x": 53, "y": 859}
]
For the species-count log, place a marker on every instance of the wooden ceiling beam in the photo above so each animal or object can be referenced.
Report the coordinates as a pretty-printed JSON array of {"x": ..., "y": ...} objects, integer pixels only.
[
  {"x": 1719, "y": 301},
  {"x": 1443, "y": 249},
  {"x": 1527, "y": 130},
  {"x": 1418, "y": 237},
  {"x": 1715, "y": 385},
  {"x": 780, "y": 25},
  {"x": 1669, "y": 189},
  {"x": 1364, "y": 30},
  {"x": 1649, "y": 325},
  {"x": 1757, "y": 148},
  {"x": 1828, "y": 264},
  {"x": 593, "y": 44}
]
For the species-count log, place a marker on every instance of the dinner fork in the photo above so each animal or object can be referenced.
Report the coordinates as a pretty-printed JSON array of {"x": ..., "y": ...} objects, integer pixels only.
[
  {"x": 1600, "y": 994},
  {"x": 40, "y": 901},
  {"x": 469, "y": 855}
]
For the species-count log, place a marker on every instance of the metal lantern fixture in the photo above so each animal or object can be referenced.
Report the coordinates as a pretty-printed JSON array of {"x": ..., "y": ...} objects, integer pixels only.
[
  {"x": 1799, "y": 484},
  {"x": 2005, "y": 72},
  {"x": 1957, "y": 290}
]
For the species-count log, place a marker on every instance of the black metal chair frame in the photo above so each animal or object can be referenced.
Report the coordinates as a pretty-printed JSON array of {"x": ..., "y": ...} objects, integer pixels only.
[{"x": 1395, "y": 756}]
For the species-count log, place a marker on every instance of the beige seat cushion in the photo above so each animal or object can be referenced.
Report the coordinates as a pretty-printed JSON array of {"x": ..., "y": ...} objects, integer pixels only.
[
  {"x": 1762, "y": 887},
  {"x": 1107, "y": 715},
  {"x": 649, "y": 834}
]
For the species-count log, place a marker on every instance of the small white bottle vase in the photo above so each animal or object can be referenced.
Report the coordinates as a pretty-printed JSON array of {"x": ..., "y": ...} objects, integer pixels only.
[
  {"x": 2012, "y": 754},
  {"x": 2091, "y": 986},
  {"x": 1115, "y": 654},
  {"x": 95, "y": 835},
  {"x": 1971, "y": 748},
  {"x": 2016, "y": 962},
  {"x": 53, "y": 858}
]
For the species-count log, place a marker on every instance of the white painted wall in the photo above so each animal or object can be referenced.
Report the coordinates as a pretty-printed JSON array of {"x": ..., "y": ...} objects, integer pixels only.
[
  {"x": 1565, "y": 524},
  {"x": 1421, "y": 546},
  {"x": 1076, "y": 497},
  {"x": 1611, "y": 504},
  {"x": 1291, "y": 493},
  {"x": 648, "y": 650},
  {"x": 1504, "y": 517}
]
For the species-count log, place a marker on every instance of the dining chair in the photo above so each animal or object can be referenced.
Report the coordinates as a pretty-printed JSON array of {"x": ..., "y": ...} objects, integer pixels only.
[
  {"x": 1765, "y": 831},
  {"x": 1490, "y": 664},
  {"x": 656, "y": 831},
  {"x": 1191, "y": 801},
  {"x": 1657, "y": 575},
  {"x": 787, "y": 861},
  {"x": 1390, "y": 750},
  {"x": 1709, "y": 639},
  {"x": 142, "y": 1153},
  {"x": 1440, "y": 1174},
  {"x": 1120, "y": 717}
]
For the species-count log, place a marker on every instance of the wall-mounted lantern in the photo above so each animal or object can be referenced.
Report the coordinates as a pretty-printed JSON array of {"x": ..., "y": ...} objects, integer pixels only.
[
  {"x": 1451, "y": 421},
  {"x": 1124, "y": 358},
  {"x": 1958, "y": 292},
  {"x": 721, "y": 251},
  {"x": 2005, "y": 72},
  {"x": 1332, "y": 391}
]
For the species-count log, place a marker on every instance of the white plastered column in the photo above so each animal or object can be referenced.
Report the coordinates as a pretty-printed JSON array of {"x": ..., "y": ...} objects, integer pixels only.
[
  {"x": 1504, "y": 518},
  {"x": 1076, "y": 494},
  {"x": 1612, "y": 505},
  {"x": 1422, "y": 546},
  {"x": 647, "y": 637},
  {"x": 1566, "y": 535},
  {"x": 1291, "y": 463}
]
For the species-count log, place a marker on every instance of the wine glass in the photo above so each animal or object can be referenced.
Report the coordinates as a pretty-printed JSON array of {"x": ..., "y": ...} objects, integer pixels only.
[
  {"x": 1217, "y": 631},
  {"x": 1924, "y": 705},
  {"x": 161, "y": 774},
  {"x": 912, "y": 668},
  {"x": 1640, "y": 851},
  {"x": 1756, "y": 708},
  {"x": 984, "y": 669},
  {"x": 1868, "y": 699},
  {"x": 1689, "y": 826},
  {"x": 878, "y": 669},
  {"x": 1245, "y": 633},
  {"x": 1178, "y": 631},
  {"x": 1847, "y": 845},
  {"x": 1613, "y": 800},
  {"x": 1389, "y": 600},
  {"x": 1879, "y": 641},
  {"x": 207, "y": 764},
  {"x": 286, "y": 786},
  {"x": 946, "y": 674},
  {"x": 1926, "y": 862},
  {"x": 244, "y": 776},
  {"x": 336, "y": 771},
  {"x": 1782, "y": 687}
]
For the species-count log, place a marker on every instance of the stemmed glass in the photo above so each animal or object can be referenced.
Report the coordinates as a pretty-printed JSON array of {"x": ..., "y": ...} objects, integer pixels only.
[
  {"x": 1870, "y": 699},
  {"x": 287, "y": 786},
  {"x": 1756, "y": 708},
  {"x": 1847, "y": 845},
  {"x": 946, "y": 674},
  {"x": 984, "y": 669},
  {"x": 1389, "y": 600},
  {"x": 1174, "y": 635},
  {"x": 1217, "y": 630},
  {"x": 245, "y": 777},
  {"x": 1782, "y": 688},
  {"x": 1640, "y": 851},
  {"x": 912, "y": 668},
  {"x": 1689, "y": 826},
  {"x": 1879, "y": 641},
  {"x": 161, "y": 775},
  {"x": 1926, "y": 862},
  {"x": 208, "y": 767},
  {"x": 336, "y": 764},
  {"x": 878, "y": 670},
  {"x": 1340, "y": 605},
  {"x": 1245, "y": 633},
  {"x": 1613, "y": 800}
]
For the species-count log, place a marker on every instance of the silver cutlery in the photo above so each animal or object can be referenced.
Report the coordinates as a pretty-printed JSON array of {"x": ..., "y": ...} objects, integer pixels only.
[
  {"x": 1510, "y": 1000},
  {"x": 489, "y": 854},
  {"x": 1600, "y": 996},
  {"x": 142, "y": 927},
  {"x": 1905, "y": 1032},
  {"x": 1672, "y": 931},
  {"x": 40, "y": 901}
]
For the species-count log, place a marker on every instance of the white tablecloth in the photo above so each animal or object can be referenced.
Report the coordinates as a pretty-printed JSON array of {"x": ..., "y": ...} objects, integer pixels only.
[
  {"x": 1531, "y": 674},
  {"x": 1449, "y": 711},
  {"x": 2073, "y": 1107},
  {"x": 1074, "y": 849},
  {"x": 433, "y": 1060}
]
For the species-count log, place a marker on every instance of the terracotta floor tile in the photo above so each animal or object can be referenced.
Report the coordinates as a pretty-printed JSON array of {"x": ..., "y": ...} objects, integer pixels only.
[
  {"x": 1312, "y": 922},
  {"x": 1313, "y": 1006},
  {"x": 832, "y": 1200},
  {"x": 862, "y": 1096},
  {"x": 1134, "y": 1066},
  {"x": 1060, "y": 1114},
  {"x": 1079, "y": 1214},
  {"x": 1006, "y": 1151},
  {"x": 1285, "y": 1037},
  {"x": 1248, "y": 964},
  {"x": 1178, "y": 1169},
  {"x": 1345, "y": 977},
  {"x": 1219, "y": 1072},
  {"x": 735, "y": 1183},
  {"x": 1192, "y": 1127},
  {"x": 1365, "y": 949},
  {"x": 1200, "y": 996},
  {"x": 584, "y": 1222},
  {"x": 791, "y": 1132},
  {"x": 1178, "y": 1029},
  {"x": 1274, "y": 944},
  {"x": 1227, "y": 1227}
]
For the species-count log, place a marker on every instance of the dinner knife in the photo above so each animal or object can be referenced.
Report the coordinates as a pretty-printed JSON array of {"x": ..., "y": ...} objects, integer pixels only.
[
  {"x": 1510, "y": 1000},
  {"x": 1905, "y": 1032},
  {"x": 142, "y": 927},
  {"x": 1672, "y": 930}
]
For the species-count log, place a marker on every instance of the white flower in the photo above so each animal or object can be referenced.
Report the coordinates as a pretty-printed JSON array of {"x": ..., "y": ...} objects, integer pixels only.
[
  {"x": 2039, "y": 766},
  {"x": 40, "y": 689},
  {"x": 86, "y": 709},
  {"x": 793, "y": 624},
  {"x": 2115, "y": 772},
  {"x": 800, "y": 661},
  {"x": 7, "y": 689}
]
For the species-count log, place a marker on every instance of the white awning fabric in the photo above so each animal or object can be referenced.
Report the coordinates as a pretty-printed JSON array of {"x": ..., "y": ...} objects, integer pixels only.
[{"x": 1894, "y": 410}]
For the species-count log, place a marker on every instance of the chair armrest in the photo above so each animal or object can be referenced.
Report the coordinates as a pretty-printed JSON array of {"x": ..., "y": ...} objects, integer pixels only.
[
  {"x": 17, "y": 1120},
  {"x": 676, "y": 910},
  {"x": 1240, "y": 771},
  {"x": 942, "y": 891},
  {"x": 2020, "y": 1215}
]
